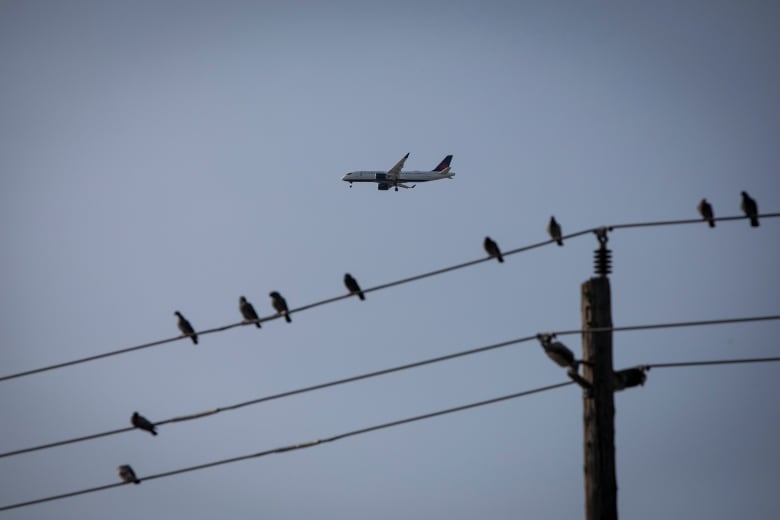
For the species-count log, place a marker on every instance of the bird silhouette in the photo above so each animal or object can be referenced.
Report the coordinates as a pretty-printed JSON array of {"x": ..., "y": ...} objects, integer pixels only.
[
  {"x": 705, "y": 209},
  {"x": 127, "y": 474},
  {"x": 555, "y": 231},
  {"x": 750, "y": 208},
  {"x": 280, "y": 305},
  {"x": 629, "y": 377},
  {"x": 186, "y": 328},
  {"x": 248, "y": 311},
  {"x": 557, "y": 351},
  {"x": 353, "y": 287},
  {"x": 141, "y": 422},
  {"x": 492, "y": 249}
]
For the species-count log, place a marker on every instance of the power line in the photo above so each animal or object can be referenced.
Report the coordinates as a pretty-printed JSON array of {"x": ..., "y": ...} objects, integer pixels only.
[
  {"x": 549, "y": 242},
  {"x": 124, "y": 350},
  {"x": 373, "y": 289},
  {"x": 65, "y": 442},
  {"x": 289, "y": 393},
  {"x": 673, "y": 325},
  {"x": 685, "y": 221},
  {"x": 376, "y": 373},
  {"x": 294, "y": 447},
  {"x": 711, "y": 362},
  {"x": 372, "y": 428}
]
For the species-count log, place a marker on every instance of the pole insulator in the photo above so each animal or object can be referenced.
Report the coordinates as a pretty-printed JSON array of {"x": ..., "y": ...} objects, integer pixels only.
[
  {"x": 602, "y": 261},
  {"x": 602, "y": 256}
]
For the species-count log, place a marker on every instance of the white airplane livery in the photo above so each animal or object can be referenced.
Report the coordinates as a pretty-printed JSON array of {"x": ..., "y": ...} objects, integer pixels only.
[{"x": 396, "y": 178}]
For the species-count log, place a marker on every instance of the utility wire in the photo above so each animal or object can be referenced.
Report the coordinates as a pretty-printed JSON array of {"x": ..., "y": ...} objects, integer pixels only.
[
  {"x": 289, "y": 393},
  {"x": 671, "y": 325},
  {"x": 546, "y": 243},
  {"x": 124, "y": 350},
  {"x": 711, "y": 362},
  {"x": 684, "y": 221},
  {"x": 385, "y": 371},
  {"x": 372, "y": 289},
  {"x": 374, "y": 428},
  {"x": 294, "y": 447},
  {"x": 65, "y": 442}
]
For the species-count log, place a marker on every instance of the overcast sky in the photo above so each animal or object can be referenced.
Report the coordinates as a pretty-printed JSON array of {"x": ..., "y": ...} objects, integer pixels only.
[{"x": 174, "y": 155}]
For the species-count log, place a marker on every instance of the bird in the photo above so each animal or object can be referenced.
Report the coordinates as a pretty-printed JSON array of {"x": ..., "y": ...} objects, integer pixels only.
[
  {"x": 557, "y": 351},
  {"x": 141, "y": 422},
  {"x": 280, "y": 305},
  {"x": 248, "y": 311},
  {"x": 127, "y": 474},
  {"x": 353, "y": 286},
  {"x": 492, "y": 249},
  {"x": 705, "y": 209},
  {"x": 629, "y": 377},
  {"x": 561, "y": 354},
  {"x": 750, "y": 208},
  {"x": 186, "y": 328},
  {"x": 555, "y": 231}
]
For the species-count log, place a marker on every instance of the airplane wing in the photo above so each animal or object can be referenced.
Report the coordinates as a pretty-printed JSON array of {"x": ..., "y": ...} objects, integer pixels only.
[{"x": 395, "y": 171}]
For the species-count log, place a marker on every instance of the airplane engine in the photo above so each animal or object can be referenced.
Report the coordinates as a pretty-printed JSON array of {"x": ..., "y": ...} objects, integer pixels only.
[{"x": 382, "y": 186}]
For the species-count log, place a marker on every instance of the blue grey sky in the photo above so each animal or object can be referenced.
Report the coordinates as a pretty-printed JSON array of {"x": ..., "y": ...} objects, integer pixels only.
[{"x": 170, "y": 155}]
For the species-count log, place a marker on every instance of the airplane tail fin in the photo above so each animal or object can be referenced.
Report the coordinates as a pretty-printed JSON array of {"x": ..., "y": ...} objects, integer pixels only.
[{"x": 444, "y": 164}]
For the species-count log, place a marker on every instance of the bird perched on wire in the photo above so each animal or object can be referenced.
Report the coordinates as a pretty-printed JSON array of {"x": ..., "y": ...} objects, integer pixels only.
[
  {"x": 353, "y": 287},
  {"x": 186, "y": 328},
  {"x": 629, "y": 377},
  {"x": 750, "y": 208},
  {"x": 142, "y": 423},
  {"x": 554, "y": 229},
  {"x": 705, "y": 210},
  {"x": 557, "y": 351},
  {"x": 280, "y": 305},
  {"x": 127, "y": 474},
  {"x": 248, "y": 312},
  {"x": 492, "y": 249}
]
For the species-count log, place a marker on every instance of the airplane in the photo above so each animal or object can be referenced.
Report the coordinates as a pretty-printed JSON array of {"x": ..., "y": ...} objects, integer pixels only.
[{"x": 395, "y": 177}]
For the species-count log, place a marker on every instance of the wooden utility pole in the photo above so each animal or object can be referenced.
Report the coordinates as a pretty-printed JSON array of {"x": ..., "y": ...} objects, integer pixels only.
[{"x": 598, "y": 401}]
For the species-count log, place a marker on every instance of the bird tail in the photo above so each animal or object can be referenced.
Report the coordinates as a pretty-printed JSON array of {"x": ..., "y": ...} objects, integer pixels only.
[
  {"x": 754, "y": 221},
  {"x": 560, "y": 242},
  {"x": 154, "y": 433},
  {"x": 361, "y": 295},
  {"x": 194, "y": 338},
  {"x": 712, "y": 223},
  {"x": 287, "y": 318},
  {"x": 500, "y": 257},
  {"x": 258, "y": 325}
]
